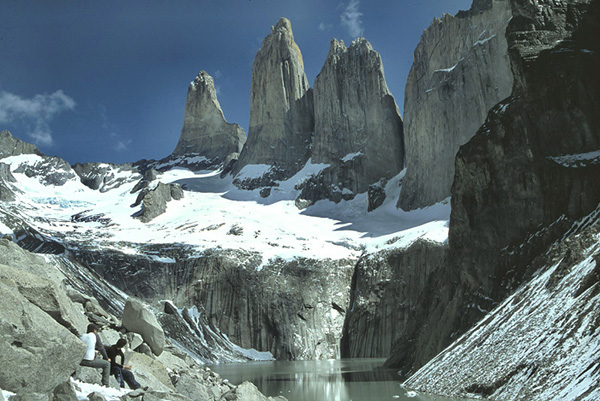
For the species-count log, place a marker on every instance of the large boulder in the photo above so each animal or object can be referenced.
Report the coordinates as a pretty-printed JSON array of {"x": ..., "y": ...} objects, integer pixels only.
[
  {"x": 48, "y": 296},
  {"x": 150, "y": 372},
  {"x": 37, "y": 353},
  {"x": 248, "y": 392},
  {"x": 13, "y": 255},
  {"x": 205, "y": 131},
  {"x": 139, "y": 319},
  {"x": 154, "y": 201}
]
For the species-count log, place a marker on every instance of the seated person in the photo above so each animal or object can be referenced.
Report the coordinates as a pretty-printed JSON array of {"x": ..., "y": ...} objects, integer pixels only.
[
  {"x": 92, "y": 341},
  {"x": 122, "y": 373}
]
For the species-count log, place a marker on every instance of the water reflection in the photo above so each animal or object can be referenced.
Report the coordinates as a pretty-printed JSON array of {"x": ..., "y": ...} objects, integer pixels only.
[{"x": 332, "y": 380}]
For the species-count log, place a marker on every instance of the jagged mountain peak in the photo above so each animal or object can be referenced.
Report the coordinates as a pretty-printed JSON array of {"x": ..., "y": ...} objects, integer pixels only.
[
  {"x": 281, "y": 108},
  {"x": 338, "y": 47},
  {"x": 11, "y": 146},
  {"x": 204, "y": 80},
  {"x": 205, "y": 132},
  {"x": 283, "y": 24}
]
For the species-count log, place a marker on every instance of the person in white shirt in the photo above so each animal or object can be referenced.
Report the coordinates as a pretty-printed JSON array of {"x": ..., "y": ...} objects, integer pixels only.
[{"x": 89, "y": 358}]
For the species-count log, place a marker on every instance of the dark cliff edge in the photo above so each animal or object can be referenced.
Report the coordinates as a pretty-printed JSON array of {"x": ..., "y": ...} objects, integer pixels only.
[{"x": 525, "y": 177}]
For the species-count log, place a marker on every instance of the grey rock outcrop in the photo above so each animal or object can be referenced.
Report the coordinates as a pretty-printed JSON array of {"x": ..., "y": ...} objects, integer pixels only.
[
  {"x": 46, "y": 295},
  {"x": 281, "y": 109},
  {"x": 205, "y": 131},
  {"x": 105, "y": 176},
  {"x": 154, "y": 201},
  {"x": 209, "y": 345},
  {"x": 537, "y": 344},
  {"x": 14, "y": 256},
  {"x": 11, "y": 146},
  {"x": 139, "y": 319},
  {"x": 49, "y": 170},
  {"x": 358, "y": 128},
  {"x": 6, "y": 192},
  {"x": 294, "y": 309},
  {"x": 461, "y": 69},
  {"x": 25, "y": 331}
]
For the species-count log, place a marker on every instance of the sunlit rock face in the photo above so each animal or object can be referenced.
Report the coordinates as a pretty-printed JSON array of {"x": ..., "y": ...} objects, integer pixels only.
[
  {"x": 205, "y": 131},
  {"x": 294, "y": 309},
  {"x": 281, "y": 107},
  {"x": 358, "y": 128},
  {"x": 461, "y": 69}
]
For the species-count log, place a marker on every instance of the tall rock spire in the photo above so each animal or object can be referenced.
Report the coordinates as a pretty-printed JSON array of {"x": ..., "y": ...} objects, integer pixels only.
[
  {"x": 205, "y": 130},
  {"x": 358, "y": 128},
  {"x": 281, "y": 107}
]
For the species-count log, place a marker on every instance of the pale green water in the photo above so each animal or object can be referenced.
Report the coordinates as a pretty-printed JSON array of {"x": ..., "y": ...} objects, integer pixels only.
[{"x": 333, "y": 380}]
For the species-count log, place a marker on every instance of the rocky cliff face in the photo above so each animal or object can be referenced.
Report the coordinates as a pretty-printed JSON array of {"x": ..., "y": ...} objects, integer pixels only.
[
  {"x": 391, "y": 290},
  {"x": 358, "y": 129},
  {"x": 529, "y": 172},
  {"x": 47, "y": 302},
  {"x": 460, "y": 70},
  {"x": 205, "y": 131},
  {"x": 531, "y": 168},
  {"x": 293, "y": 309},
  {"x": 281, "y": 107},
  {"x": 10, "y": 146},
  {"x": 538, "y": 344}
]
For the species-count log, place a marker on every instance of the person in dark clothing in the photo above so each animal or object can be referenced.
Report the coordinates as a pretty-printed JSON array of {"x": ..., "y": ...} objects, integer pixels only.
[
  {"x": 122, "y": 373},
  {"x": 100, "y": 347}
]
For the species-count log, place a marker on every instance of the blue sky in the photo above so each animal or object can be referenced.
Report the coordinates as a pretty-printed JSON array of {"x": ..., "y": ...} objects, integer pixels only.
[{"x": 106, "y": 81}]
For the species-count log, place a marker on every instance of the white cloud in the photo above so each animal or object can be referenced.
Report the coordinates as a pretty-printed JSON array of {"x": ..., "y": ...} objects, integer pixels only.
[
  {"x": 35, "y": 113},
  {"x": 351, "y": 19},
  {"x": 119, "y": 144},
  {"x": 325, "y": 27}
]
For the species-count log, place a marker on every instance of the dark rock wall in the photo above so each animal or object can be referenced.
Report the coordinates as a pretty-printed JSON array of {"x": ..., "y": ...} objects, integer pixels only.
[
  {"x": 389, "y": 297},
  {"x": 513, "y": 195}
]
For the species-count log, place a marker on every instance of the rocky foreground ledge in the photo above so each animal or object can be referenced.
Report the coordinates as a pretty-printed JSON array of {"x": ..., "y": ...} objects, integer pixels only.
[{"x": 41, "y": 318}]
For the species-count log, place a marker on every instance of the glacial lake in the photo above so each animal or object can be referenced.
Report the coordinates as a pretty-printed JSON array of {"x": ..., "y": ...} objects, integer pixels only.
[{"x": 331, "y": 380}]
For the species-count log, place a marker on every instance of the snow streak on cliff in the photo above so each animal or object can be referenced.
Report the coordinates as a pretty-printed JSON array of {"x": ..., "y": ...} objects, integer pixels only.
[{"x": 541, "y": 343}]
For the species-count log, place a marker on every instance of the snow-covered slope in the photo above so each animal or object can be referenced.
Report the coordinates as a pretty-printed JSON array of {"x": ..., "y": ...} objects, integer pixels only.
[
  {"x": 213, "y": 213},
  {"x": 542, "y": 343},
  {"x": 214, "y": 249}
]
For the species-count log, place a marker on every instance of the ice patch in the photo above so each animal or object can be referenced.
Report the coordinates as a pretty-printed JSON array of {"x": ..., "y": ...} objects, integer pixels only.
[
  {"x": 82, "y": 390},
  {"x": 484, "y": 41},
  {"x": 577, "y": 160},
  {"x": 450, "y": 68},
  {"x": 351, "y": 156},
  {"x": 252, "y": 171},
  {"x": 6, "y": 395}
]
